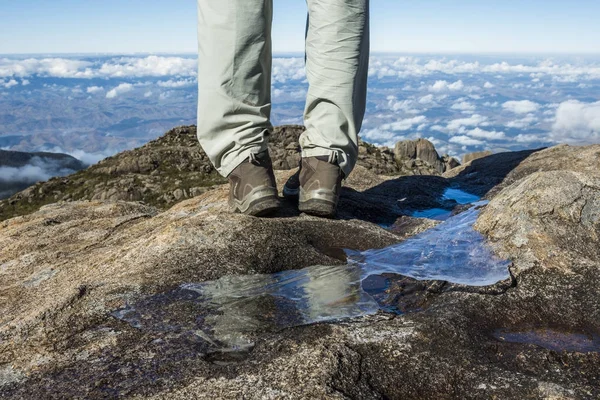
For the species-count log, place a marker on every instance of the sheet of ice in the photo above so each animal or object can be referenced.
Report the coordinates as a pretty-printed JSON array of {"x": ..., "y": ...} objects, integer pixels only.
[
  {"x": 226, "y": 314},
  {"x": 452, "y": 251}
]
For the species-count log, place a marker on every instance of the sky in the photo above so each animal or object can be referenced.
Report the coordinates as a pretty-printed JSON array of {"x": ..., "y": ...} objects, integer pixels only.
[{"x": 428, "y": 26}]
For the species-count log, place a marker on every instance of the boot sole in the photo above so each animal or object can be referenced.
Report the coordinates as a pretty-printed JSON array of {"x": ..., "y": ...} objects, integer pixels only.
[
  {"x": 263, "y": 207},
  {"x": 258, "y": 203},
  {"x": 321, "y": 203},
  {"x": 319, "y": 208}
]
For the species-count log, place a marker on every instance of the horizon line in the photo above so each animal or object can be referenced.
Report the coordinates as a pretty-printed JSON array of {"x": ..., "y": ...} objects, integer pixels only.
[{"x": 301, "y": 53}]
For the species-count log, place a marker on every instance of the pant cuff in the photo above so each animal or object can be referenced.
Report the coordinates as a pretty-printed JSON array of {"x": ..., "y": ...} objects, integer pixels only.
[
  {"x": 343, "y": 160},
  {"x": 227, "y": 168}
]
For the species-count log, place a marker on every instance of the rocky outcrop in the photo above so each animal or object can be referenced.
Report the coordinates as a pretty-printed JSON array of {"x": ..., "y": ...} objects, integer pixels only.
[
  {"x": 421, "y": 153},
  {"x": 160, "y": 173},
  {"x": 285, "y": 150},
  {"x": 65, "y": 268},
  {"x": 476, "y": 155},
  {"x": 173, "y": 168}
]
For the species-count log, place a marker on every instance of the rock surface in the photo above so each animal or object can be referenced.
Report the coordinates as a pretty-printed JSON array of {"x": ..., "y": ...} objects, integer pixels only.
[
  {"x": 173, "y": 168},
  {"x": 64, "y": 268}
]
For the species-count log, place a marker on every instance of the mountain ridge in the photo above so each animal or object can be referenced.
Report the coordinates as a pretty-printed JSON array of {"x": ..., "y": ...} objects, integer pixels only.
[{"x": 174, "y": 167}]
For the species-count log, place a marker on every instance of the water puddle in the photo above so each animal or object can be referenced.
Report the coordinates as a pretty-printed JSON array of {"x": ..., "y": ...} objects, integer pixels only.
[
  {"x": 552, "y": 339},
  {"x": 226, "y": 315}
]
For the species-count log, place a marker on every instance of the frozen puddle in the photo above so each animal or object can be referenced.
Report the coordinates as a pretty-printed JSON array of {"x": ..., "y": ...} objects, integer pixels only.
[
  {"x": 227, "y": 314},
  {"x": 452, "y": 251}
]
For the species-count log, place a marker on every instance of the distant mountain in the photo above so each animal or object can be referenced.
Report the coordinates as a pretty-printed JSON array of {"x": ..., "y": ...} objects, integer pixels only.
[
  {"x": 18, "y": 159},
  {"x": 174, "y": 167},
  {"x": 19, "y": 170}
]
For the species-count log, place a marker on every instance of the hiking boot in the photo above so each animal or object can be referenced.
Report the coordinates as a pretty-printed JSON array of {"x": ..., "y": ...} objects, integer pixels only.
[
  {"x": 317, "y": 184},
  {"x": 253, "y": 190}
]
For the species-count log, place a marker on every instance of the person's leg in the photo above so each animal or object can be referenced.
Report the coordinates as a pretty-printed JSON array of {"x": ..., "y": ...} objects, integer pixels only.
[
  {"x": 234, "y": 79},
  {"x": 337, "y": 59}
]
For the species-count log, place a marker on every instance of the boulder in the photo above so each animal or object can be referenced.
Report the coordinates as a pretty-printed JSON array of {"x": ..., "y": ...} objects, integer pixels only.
[
  {"x": 449, "y": 162},
  {"x": 421, "y": 149}
]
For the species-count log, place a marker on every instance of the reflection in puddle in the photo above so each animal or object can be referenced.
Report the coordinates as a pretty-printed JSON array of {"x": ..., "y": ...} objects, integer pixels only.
[
  {"x": 438, "y": 214},
  {"x": 441, "y": 214},
  {"x": 227, "y": 314},
  {"x": 552, "y": 339},
  {"x": 460, "y": 196}
]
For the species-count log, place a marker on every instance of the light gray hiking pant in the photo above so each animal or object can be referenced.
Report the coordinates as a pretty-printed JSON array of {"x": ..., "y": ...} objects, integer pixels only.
[{"x": 234, "y": 79}]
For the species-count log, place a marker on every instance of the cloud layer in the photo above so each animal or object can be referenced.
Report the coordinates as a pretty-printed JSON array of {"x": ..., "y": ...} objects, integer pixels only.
[{"x": 461, "y": 103}]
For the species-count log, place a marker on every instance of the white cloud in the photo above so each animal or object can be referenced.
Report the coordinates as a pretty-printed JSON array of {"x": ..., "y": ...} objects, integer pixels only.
[
  {"x": 381, "y": 136},
  {"x": 418, "y": 67},
  {"x": 148, "y": 93},
  {"x": 466, "y": 141},
  {"x": 523, "y": 122},
  {"x": 483, "y": 134},
  {"x": 85, "y": 157},
  {"x": 428, "y": 99},
  {"x": 463, "y": 106},
  {"x": 177, "y": 83},
  {"x": 528, "y": 138},
  {"x": 116, "y": 67},
  {"x": 95, "y": 89},
  {"x": 122, "y": 88},
  {"x": 521, "y": 107},
  {"x": 55, "y": 67},
  {"x": 288, "y": 68},
  {"x": 9, "y": 83},
  {"x": 442, "y": 86},
  {"x": 406, "y": 106},
  {"x": 404, "y": 124},
  {"x": 38, "y": 169},
  {"x": 148, "y": 66},
  {"x": 489, "y": 85},
  {"x": 577, "y": 122},
  {"x": 473, "y": 120}
]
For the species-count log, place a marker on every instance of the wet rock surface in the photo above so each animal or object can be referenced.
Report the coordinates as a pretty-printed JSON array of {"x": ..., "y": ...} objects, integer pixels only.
[{"x": 65, "y": 269}]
